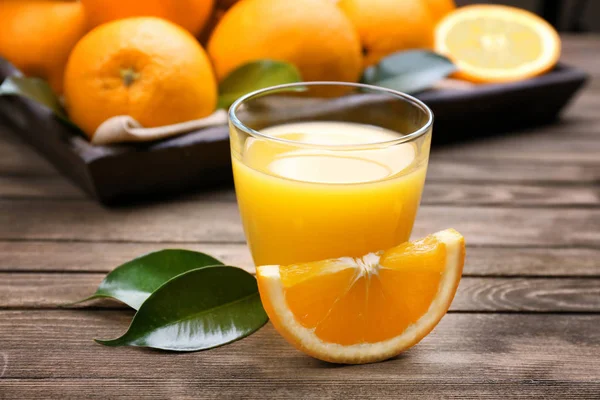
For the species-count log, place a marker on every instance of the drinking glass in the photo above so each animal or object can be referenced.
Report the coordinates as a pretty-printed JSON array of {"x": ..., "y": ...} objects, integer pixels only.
[{"x": 327, "y": 169}]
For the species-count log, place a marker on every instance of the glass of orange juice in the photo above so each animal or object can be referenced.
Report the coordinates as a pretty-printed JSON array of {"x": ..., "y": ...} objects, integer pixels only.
[{"x": 327, "y": 169}]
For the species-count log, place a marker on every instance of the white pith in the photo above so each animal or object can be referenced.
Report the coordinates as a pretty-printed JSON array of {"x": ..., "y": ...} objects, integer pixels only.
[{"x": 367, "y": 351}]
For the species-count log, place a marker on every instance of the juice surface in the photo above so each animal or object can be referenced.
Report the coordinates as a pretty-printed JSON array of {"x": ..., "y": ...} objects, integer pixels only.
[{"x": 302, "y": 204}]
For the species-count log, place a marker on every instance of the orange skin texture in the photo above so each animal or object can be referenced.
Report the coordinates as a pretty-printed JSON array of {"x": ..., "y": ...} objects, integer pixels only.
[
  {"x": 190, "y": 14},
  {"x": 37, "y": 36},
  {"x": 388, "y": 26},
  {"x": 170, "y": 77},
  {"x": 314, "y": 35},
  {"x": 440, "y": 8}
]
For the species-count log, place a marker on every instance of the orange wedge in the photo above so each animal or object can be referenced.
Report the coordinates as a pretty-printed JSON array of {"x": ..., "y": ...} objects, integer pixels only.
[
  {"x": 493, "y": 43},
  {"x": 361, "y": 310}
]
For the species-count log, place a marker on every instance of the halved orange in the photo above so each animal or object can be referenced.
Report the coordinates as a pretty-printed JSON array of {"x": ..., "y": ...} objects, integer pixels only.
[
  {"x": 494, "y": 43},
  {"x": 360, "y": 310}
]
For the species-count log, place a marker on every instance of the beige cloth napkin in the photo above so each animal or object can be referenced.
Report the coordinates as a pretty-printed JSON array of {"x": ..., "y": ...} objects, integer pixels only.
[{"x": 123, "y": 128}]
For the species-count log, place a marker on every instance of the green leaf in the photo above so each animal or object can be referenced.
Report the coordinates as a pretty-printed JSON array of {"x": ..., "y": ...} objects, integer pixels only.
[
  {"x": 133, "y": 282},
  {"x": 253, "y": 76},
  {"x": 35, "y": 89},
  {"x": 409, "y": 71},
  {"x": 197, "y": 310}
]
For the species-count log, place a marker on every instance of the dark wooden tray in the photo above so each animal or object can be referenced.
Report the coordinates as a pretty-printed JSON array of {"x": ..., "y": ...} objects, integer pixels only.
[{"x": 122, "y": 173}]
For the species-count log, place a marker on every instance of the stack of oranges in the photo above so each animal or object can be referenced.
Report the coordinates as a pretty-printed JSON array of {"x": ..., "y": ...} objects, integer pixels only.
[{"x": 145, "y": 59}]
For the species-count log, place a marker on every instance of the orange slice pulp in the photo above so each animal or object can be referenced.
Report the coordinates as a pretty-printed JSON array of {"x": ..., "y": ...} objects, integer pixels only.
[
  {"x": 360, "y": 310},
  {"x": 494, "y": 43}
]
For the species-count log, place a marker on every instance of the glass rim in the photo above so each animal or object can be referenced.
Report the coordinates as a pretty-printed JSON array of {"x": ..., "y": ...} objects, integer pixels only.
[{"x": 393, "y": 93}]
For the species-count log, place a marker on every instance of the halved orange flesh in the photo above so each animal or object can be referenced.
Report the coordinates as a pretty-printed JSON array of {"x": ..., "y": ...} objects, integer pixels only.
[
  {"x": 359, "y": 310},
  {"x": 494, "y": 43}
]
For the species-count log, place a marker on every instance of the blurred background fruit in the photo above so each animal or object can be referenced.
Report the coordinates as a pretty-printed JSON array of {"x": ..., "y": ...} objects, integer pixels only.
[
  {"x": 144, "y": 67},
  {"x": 190, "y": 14},
  {"x": 219, "y": 10},
  {"x": 132, "y": 68},
  {"x": 494, "y": 43},
  {"x": 388, "y": 26},
  {"x": 37, "y": 36},
  {"x": 439, "y": 8},
  {"x": 314, "y": 35}
]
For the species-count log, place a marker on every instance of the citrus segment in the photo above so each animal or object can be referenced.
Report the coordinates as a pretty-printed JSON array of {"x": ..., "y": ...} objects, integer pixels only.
[
  {"x": 492, "y": 43},
  {"x": 358, "y": 310}
]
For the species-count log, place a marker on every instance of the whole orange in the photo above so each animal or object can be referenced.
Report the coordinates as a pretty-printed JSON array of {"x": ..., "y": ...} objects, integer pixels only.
[
  {"x": 314, "y": 35},
  {"x": 388, "y": 26},
  {"x": 439, "y": 8},
  {"x": 220, "y": 8},
  {"x": 37, "y": 36},
  {"x": 190, "y": 14},
  {"x": 145, "y": 67}
]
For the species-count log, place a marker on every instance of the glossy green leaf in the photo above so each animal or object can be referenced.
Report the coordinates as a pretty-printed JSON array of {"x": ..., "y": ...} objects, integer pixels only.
[
  {"x": 35, "y": 89},
  {"x": 409, "y": 71},
  {"x": 133, "y": 282},
  {"x": 197, "y": 310},
  {"x": 253, "y": 76}
]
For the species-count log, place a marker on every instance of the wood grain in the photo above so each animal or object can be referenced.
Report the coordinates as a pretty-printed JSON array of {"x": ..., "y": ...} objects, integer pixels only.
[
  {"x": 194, "y": 388},
  {"x": 556, "y": 262},
  {"x": 207, "y": 221},
  {"x": 521, "y": 168},
  {"x": 493, "y": 171},
  {"x": 582, "y": 52},
  {"x": 435, "y": 193},
  {"x": 51, "y": 256},
  {"x": 585, "y": 107},
  {"x": 466, "y": 348},
  {"x": 528, "y": 295},
  {"x": 474, "y": 294},
  {"x": 103, "y": 257},
  {"x": 42, "y": 187},
  {"x": 501, "y": 194},
  {"x": 558, "y": 143},
  {"x": 17, "y": 158}
]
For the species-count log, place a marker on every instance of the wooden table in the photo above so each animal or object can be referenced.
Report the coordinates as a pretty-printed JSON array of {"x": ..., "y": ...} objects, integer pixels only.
[{"x": 525, "y": 322}]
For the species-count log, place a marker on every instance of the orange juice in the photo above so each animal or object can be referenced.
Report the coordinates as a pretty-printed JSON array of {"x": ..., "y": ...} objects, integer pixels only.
[{"x": 305, "y": 203}]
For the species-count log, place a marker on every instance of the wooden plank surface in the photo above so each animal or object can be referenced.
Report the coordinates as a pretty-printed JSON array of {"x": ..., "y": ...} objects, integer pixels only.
[
  {"x": 50, "y": 290},
  {"x": 209, "y": 221},
  {"x": 50, "y": 256},
  {"x": 514, "y": 171},
  {"x": 55, "y": 344},
  {"x": 555, "y": 144},
  {"x": 435, "y": 193},
  {"x": 524, "y": 323},
  {"x": 42, "y": 187},
  {"x": 523, "y": 167},
  {"x": 581, "y": 51},
  {"x": 571, "y": 139},
  {"x": 293, "y": 388}
]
